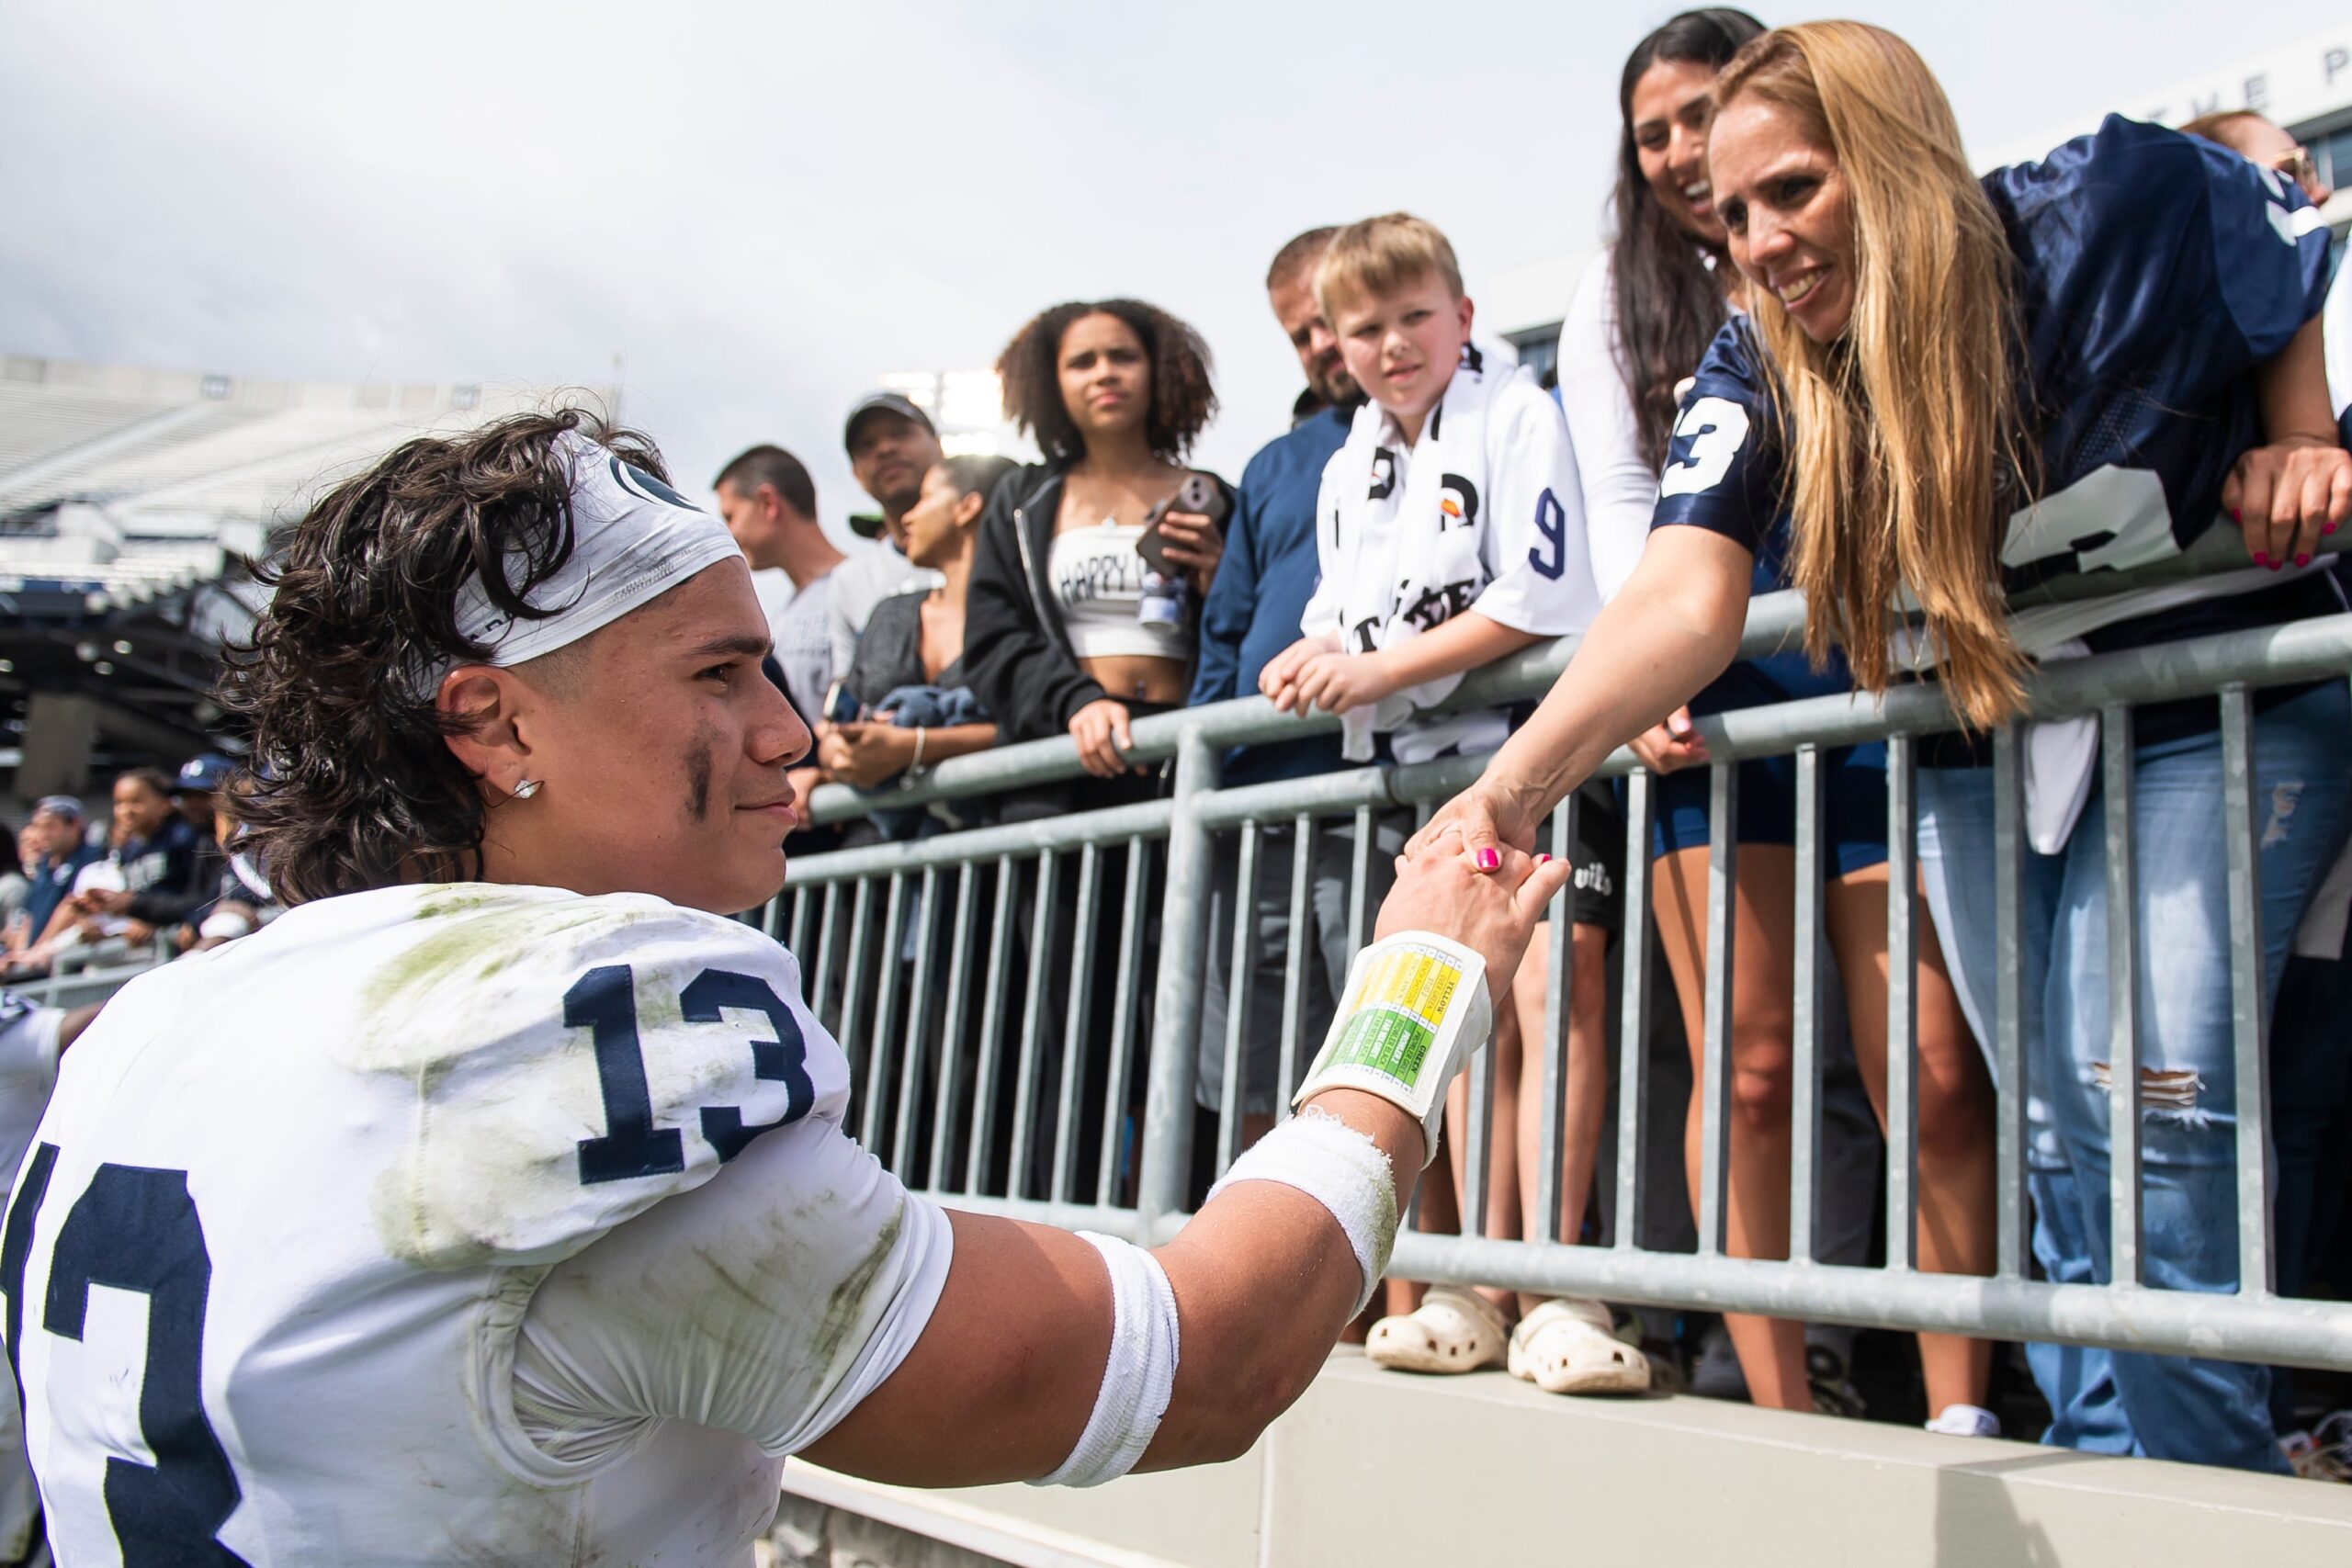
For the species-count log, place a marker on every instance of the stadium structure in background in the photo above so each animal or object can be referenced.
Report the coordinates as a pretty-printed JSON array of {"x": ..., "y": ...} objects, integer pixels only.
[
  {"x": 2303, "y": 87},
  {"x": 132, "y": 503}
]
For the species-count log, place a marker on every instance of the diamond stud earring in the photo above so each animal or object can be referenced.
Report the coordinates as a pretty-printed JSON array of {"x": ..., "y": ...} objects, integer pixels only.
[{"x": 525, "y": 788}]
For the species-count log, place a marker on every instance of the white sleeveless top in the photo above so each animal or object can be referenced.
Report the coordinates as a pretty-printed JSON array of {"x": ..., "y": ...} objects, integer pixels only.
[
  {"x": 1098, "y": 586},
  {"x": 374, "y": 1194}
]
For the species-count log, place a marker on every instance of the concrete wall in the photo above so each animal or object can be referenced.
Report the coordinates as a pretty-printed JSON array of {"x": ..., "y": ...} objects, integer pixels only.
[{"x": 1374, "y": 1467}]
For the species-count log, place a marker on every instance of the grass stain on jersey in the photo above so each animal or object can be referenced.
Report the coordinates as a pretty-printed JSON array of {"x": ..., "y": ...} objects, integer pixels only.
[{"x": 846, "y": 1309}]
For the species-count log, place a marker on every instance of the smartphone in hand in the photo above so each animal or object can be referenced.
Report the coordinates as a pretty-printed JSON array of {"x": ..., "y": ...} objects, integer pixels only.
[{"x": 1198, "y": 494}]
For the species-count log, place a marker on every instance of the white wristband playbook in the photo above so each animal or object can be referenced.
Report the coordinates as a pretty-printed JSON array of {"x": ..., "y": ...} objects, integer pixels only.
[{"x": 1416, "y": 1009}]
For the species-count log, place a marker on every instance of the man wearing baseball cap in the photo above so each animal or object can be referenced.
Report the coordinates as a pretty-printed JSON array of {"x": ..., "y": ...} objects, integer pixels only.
[
  {"x": 891, "y": 445},
  {"x": 192, "y": 792},
  {"x": 62, "y": 851}
]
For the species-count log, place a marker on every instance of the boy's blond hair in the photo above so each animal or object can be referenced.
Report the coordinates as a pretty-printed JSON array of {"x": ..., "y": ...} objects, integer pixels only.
[{"x": 1380, "y": 255}]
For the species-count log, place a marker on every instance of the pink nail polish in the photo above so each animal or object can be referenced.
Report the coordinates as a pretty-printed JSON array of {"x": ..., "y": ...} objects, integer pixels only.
[
  {"x": 2328, "y": 527},
  {"x": 2261, "y": 560},
  {"x": 2304, "y": 559},
  {"x": 2237, "y": 517},
  {"x": 1490, "y": 861},
  {"x": 1542, "y": 860}
]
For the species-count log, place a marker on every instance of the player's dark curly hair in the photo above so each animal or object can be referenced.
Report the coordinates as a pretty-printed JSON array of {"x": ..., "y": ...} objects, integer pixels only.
[
  {"x": 353, "y": 785},
  {"x": 1183, "y": 401}
]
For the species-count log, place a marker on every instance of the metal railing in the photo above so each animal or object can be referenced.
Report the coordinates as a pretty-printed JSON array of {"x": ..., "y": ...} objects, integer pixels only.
[{"x": 978, "y": 1080}]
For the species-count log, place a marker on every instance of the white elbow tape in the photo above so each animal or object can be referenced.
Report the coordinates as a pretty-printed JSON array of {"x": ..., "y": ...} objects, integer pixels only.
[
  {"x": 1339, "y": 1167},
  {"x": 1417, "y": 1009},
  {"x": 1139, "y": 1375}
]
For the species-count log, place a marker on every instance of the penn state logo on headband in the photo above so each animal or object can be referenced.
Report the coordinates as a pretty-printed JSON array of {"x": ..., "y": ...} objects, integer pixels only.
[{"x": 633, "y": 538}]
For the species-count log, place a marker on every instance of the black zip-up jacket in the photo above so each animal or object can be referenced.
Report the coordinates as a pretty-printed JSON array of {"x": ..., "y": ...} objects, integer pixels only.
[{"x": 1017, "y": 655}]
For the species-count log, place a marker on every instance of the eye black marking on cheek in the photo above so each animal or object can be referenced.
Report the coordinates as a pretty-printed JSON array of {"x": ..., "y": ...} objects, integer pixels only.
[{"x": 698, "y": 782}]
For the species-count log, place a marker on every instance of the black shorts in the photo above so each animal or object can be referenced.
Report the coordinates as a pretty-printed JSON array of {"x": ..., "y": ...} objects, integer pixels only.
[{"x": 1598, "y": 852}]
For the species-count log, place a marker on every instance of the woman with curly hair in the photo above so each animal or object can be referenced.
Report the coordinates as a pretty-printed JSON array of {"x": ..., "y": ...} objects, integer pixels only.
[{"x": 1068, "y": 629}]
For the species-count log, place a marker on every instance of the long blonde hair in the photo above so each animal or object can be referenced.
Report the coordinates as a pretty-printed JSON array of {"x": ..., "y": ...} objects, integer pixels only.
[{"x": 1897, "y": 431}]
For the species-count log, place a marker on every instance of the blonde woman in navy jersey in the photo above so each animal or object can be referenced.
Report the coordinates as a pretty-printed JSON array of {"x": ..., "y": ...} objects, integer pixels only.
[{"x": 1951, "y": 387}]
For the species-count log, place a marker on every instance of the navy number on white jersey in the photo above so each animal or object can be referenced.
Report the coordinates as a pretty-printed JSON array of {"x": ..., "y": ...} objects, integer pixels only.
[
  {"x": 603, "y": 1001},
  {"x": 135, "y": 1228}
]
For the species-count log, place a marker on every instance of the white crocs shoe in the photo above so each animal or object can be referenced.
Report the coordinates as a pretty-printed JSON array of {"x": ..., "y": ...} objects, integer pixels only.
[
  {"x": 1566, "y": 1346},
  {"x": 1966, "y": 1421},
  {"x": 1452, "y": 1331}
]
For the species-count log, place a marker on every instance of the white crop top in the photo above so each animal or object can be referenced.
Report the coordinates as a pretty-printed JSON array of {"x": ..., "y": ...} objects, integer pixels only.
[{"x": 1098, "y": 581}]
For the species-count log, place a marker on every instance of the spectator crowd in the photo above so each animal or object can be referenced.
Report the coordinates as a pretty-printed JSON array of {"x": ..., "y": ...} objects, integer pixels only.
[{"x": 1433, "y": 508}]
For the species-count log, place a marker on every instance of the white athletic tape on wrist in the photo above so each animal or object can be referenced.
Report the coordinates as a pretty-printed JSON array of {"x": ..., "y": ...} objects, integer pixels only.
[
  {"x": 1417, "y": 1009},
  {"x": 1339, "y": 1167},
  {"x": 1137, "y": 1378}
]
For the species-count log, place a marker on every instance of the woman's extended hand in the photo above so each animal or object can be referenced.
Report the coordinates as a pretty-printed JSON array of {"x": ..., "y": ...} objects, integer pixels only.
[
  {"x": 1664, "y": 748},
  {"x": 1101, "y": 731},
  {"x": 2287, "y": 496},
  {"x": 1481, "y": 823}
]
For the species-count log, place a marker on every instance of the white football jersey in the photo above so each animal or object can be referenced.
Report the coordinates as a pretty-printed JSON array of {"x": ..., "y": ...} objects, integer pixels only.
[
  {"x": 452, "y": 1223},
  {"x": 27, "y": 1072}
]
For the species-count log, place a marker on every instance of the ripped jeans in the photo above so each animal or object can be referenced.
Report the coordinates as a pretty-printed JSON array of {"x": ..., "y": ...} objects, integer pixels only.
[{"x": 2173, "y": 1407}]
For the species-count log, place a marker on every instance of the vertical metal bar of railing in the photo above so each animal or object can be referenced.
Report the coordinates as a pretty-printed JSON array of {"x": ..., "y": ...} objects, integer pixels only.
[
  {"x": 1714, "y": 1053},
  {"x": 1033, "y": 1018},
  {"x": 1238, "y": 980},
  {"x": 1559, "y": 1009},
  {"x": 2013, "y": 1214},
  {"x": 1081, "y": 1009},
  {"x": 1360, "y": 885},
  {"x": 1633, "y": 1016},
  {"x": 853, "y": 989},
  {"x": 1127, "y": 982},
  {"x": 1902, "y": 1002},
  {"x": 2122, "y": 1000},
  {"x": 878, "y": 1062},
  {"x": 984, "y": 1076},
  {"x": 1477, "y": 1141},
  {"x": 2249, "y": 1032},
  {"x": 1805, "y": 1002},
  {"x": 820, "y": 1001},
  {"x": 951, "y": 1037},
  {"x": 804, "y": 902},
  {"x": 1176, "y": 1001},
  {"x": 1294, "y": 960},
  {"x": 918, "y": 1021}
]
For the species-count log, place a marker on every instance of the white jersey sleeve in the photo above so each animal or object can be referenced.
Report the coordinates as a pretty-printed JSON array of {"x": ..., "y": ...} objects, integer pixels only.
[
  {"x": 1534, "y": 538},
  {"x": 1620, "y": 488},
  {"x": 767, "y": 1303}
]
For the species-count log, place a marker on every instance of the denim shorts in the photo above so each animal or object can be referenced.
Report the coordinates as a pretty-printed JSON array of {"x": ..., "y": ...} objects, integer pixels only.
[{"x": 1853, "y": 779}]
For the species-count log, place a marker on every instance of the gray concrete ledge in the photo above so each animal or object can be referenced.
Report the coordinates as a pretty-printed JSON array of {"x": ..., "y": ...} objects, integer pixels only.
[{"x": 1374, "y": 1467}]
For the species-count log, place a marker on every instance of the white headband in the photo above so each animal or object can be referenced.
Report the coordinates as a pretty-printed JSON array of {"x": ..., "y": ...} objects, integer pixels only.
[{"x": 633, "y": 538}]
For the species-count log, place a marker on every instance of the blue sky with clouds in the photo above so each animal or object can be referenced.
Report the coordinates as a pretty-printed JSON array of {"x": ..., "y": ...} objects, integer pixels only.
[{"x": 761, "y": 208}]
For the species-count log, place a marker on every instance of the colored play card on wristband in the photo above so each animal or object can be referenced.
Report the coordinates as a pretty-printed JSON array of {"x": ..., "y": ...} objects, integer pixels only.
[{"x": 1396, "y": 1008}]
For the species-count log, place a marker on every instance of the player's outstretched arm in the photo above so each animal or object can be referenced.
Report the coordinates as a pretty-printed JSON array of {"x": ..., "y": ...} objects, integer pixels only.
[
  {"x": 803, "y": 1298},
  {"x": 1018, "y": 1374}
]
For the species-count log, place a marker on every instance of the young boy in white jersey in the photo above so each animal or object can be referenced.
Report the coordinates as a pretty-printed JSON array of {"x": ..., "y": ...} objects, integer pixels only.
[{"x": 1451, "y": 533}]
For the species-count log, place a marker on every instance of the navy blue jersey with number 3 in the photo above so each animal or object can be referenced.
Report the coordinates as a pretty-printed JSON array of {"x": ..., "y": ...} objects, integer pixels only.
[{"x": 2154, "y": 272}]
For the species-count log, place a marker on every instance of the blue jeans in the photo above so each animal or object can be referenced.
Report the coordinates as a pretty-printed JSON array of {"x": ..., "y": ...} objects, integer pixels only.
[{"x": 2162, "y": 1407}]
